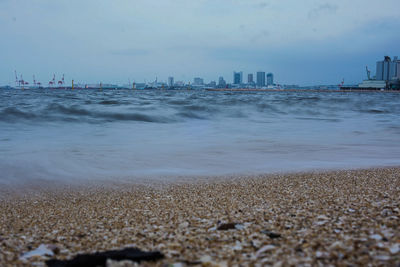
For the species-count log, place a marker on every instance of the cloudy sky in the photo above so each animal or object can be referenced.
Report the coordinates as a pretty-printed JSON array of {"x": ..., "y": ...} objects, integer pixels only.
[{"x": 301, "y": 42}]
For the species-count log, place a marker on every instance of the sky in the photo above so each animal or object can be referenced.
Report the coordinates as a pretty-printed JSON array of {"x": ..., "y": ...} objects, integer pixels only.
[{"x": 302, "y": 42}]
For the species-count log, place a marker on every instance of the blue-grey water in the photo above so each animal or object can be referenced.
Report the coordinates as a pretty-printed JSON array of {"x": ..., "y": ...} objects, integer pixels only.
[{"x": 65, "y": 135}]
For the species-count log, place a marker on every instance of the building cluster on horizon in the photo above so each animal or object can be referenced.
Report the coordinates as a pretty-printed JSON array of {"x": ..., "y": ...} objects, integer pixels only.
[
  {"x": 387, "y": 75},
  {"x": 263, "y": 80}
]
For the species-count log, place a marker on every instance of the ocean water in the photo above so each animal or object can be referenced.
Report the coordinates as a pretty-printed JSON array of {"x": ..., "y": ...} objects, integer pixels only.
[{"x": 79, "y": 135}]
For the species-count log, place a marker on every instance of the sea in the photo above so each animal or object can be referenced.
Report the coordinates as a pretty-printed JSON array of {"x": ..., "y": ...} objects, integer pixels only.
[{"x": 57, "y": 135}]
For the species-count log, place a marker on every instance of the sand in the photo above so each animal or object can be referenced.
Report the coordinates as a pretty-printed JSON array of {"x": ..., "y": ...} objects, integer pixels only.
[{"x": 310, "y": 219}]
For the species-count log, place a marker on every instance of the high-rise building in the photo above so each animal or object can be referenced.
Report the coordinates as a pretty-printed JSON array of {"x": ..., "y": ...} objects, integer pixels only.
[
  {"x": 170, "y": 81},
  {"x": 260, "y": 79},
  {"x": 270, "y": 79},
  {"x": 379, "y": 70},
  {"x": 387, "y": 69},
  {"x": 221, "y": 82},
  {"x": 198, "y": 81},
  {"x": 212, "y": 84},
  {"x": 250, "y": 78},
  {"x": 394, "y": 68},
  {"x": 398, "y": 68},
  {"x": 237, "y": 77}
]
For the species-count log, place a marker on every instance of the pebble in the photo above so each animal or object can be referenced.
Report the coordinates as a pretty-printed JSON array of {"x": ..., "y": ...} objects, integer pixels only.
[
  {"x": 264, "y": 249},
  {"x": 271, "y": 235},
  {"x": 376, "y": 237},
  {"x": 42, "y": 250},
  {"x": 395, "y": 248},
  {"x": 181, "y": 219}
]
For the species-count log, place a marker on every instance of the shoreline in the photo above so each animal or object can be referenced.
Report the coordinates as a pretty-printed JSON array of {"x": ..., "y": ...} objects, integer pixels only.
[
  {"x": 320, "y": 217},
  {"x": 27, "y": 187}
]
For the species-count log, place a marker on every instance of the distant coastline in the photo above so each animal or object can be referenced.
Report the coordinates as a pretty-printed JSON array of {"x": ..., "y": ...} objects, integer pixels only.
[
  {"x": 346, "y": 89},
  {"x": 302, "y": 89}
]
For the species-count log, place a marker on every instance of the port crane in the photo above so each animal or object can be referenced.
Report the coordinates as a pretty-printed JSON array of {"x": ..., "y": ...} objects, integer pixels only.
[
  {"x": 341, "y": 83},
  {"x": 36, "y": 83},
  {"x": 22, "y": 82},
  {"x": 53, "y": 81},
  {"x": 368, "y": 73},
  {"x": 61, "y": 83},
  {"x": 17, "y": 82}
]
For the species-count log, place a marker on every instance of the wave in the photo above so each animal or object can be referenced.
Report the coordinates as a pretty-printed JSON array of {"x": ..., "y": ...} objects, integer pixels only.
[
  {"x": 109, "y": 102},
  {"x": 375, "y": 111},
  {"x": 10, "y": 114},
  {"x": 264, "y": 107},
  {"x": 72, "y": 110},
  {"x": 199, "y": 108},
  {"x": 57, "y": 112},
  {"x": 318, "y": 119},
  {"x": 190, "y": 115},
  {"x": 132, "y": 117},
  {"x": 166, "y": 107},
  {"x": 178, "y": 102}
]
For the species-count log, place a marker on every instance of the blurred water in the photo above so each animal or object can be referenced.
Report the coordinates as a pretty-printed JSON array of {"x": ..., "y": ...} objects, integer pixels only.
[{"x": 89, "y": 134}]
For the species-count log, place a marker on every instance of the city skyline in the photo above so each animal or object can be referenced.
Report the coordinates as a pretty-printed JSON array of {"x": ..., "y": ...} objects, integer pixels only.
[
  {"x": 301, "y": 43},
  {"x": 170, "y": 81},
  {"x": 387, "y": 76}
]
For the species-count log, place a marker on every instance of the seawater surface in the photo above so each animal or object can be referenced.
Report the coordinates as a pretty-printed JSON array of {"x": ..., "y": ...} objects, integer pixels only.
[{"x": 73, "y": 135}]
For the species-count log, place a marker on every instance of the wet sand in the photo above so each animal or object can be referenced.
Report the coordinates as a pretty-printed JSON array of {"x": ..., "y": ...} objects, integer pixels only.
[{"x": 320, "y": 218}]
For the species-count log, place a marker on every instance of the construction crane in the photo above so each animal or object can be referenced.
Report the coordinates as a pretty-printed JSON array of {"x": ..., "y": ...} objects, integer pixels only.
[
  {"x": 62, "y": 81},
  {"x": 341, "y": 83},
  {"x": 368, "y": 73},
  {"x": 17, "y": 82},
  {"x": 22, "y": 82},
  {"x": 36, "y": 83},
  {"x": 53, "y": 81}
]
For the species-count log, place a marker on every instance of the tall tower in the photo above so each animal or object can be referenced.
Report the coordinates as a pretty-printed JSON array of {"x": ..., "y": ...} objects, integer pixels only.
[
  {"x": 237, "y": 77},
  {"x": 170, "y": 81},
  {"x": 270, "y": 79},
  {"x": 221, "y": 82},
  {"x": 250, "y": 78},
  {"x": 260, "y": 79},
  {"x": 385, "y": 69}
]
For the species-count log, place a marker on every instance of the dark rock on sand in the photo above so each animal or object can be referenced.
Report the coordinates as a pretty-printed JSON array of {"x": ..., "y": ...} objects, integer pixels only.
[
  {"x": 227, "y": 226},
  {"x": 100, "y": 258},
  {"x": 271, "y": 235}
]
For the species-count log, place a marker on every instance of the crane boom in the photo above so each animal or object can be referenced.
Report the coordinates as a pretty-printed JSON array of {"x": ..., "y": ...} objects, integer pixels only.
[{"x": 368, "y": 73}]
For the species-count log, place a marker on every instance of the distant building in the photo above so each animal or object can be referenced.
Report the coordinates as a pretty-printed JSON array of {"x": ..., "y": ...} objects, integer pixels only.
[
  {"x": 170, "y": 81},
  {"x": 260, "y": 79},
  {"x": 237, "y": 77},
  {"x": 270, "y": 79},
  {"x": 395, "y": 70},
  {"x": 398, "y": 70},
  {"x": 212, "y": 84},
  {"x": 198, "y": 81},
  {"x": 140, "y": 85},
  {"x": 250, "y": 78},
  {"x": 387, "y": 75},
  {"x": 221, "y": 82},
  {"x": 387, "y": 69}
]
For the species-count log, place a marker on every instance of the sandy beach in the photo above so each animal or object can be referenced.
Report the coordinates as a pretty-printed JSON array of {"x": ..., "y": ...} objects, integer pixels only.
[{"x": 311, "y": 219}]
